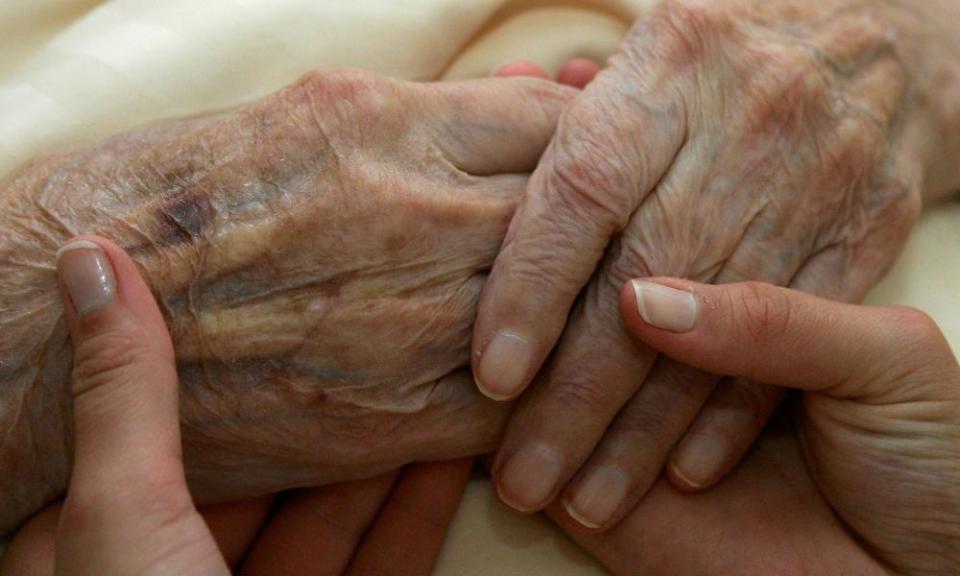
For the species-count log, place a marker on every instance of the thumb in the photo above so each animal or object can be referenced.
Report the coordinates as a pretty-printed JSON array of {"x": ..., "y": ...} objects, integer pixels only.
[
  {"x": 125, "y": 394},
  {"x": 127, "y": 509},
  {"x": 788, "y": 338}
]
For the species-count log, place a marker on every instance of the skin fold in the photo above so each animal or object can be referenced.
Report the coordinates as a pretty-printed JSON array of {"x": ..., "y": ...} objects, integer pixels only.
[
  {"x": 317, "y": 256},
  {"x": 785, "y": 141}
]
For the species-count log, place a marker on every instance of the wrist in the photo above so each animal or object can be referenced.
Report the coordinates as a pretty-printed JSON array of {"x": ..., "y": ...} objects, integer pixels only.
[
  {"x": 927, "y": 43},
  {"x": 922, "y": 37},
  {"x": 34, "y": 367}
]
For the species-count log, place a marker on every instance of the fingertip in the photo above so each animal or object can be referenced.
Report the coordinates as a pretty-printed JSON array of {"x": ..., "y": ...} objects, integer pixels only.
[
  {"x": 700, "y": 460},
  {"x": 86, "y": 276},
  {"x": 581, "y": 521},
  {"x": 680, "y": 481},
  {"x": 596, "y": 500},
  {"x": 504, "y": 366},
  {"x": 32, "y": 550},
  {"x": 100, "y": 285},
  {"x": 521, "y": 68},
  {"x": 578, "y": 72}
]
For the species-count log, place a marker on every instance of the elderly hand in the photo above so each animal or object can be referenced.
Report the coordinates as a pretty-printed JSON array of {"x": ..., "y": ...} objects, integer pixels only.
[
  {"x": 865, "y": 484},
  {"x": 318, "y": 257},
  {"x": 785, "y": 141},
  {"x": 128, "y": 510}
]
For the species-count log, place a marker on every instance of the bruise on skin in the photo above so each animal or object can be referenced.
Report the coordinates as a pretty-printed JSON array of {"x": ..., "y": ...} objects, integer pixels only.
[
  {"x": 184, "y": 220},
  {"x": 311, "y": 292}
]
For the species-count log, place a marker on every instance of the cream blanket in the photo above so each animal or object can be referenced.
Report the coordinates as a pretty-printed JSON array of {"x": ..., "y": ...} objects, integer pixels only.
[{"x": 74, "y": 71}]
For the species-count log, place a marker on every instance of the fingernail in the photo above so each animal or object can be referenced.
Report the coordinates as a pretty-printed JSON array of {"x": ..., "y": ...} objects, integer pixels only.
[
  {"x": 529, "y": 477},
  {"x": 699, "y": 461},
  {"x": 88, "y": 275},
  {"x": 665, "y": 307},
  {"x": 597, "y": 498},
  {"x": 504, "y": 366}
]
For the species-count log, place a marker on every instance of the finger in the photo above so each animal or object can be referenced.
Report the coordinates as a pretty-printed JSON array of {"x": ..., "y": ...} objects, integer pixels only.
[
  {"x": 497, "y": 125},
  {"x": 566, "y": 412},
  {"x": 581, "y": 194},
  {"x": 315, "y": 531},
  {"x": 739, "y": 409},
  {"x": 632, "y": 454},
  {"x": 34, "y": 547},
  {"x": 578, "y": 72},
  {"x": 235, "y": 525},
  {"x": 124, "y": 376},
  {"x": 635, "y": 448},
  {"x": 781, "y": 336},
  {"x": 127, "y": 503},
  {"x": 521, "y": 68},
  {"x": 839, "y": 274},
  {"x": 851, "y": 40},
  {"x": 722, "y": 433},
  {"x": 561, "y": 420},
  {"x": 864, "y": 53},
  {"x": 407, "y": 534}
]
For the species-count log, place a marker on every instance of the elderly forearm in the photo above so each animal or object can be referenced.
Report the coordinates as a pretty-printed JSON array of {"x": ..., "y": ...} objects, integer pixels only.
[
  {"x": 928, "y": 42},
  {"x": 34, "y": 360}
]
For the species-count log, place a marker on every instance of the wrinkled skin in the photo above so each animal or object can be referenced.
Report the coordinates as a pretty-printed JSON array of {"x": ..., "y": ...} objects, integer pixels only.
[
  {"x": 787, "y": 141},
  {"x": 318, "y": 257},
  {"x": 863, "y": 480}
]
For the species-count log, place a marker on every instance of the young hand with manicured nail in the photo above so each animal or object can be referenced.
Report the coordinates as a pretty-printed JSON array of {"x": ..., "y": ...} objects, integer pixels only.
[
  {"x": 864, "y": 479},
  {"x": 128, "y": 509}
]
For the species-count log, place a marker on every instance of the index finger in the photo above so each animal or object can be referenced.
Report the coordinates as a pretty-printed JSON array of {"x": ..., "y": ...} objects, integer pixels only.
[{"x": 609, "y": 152}]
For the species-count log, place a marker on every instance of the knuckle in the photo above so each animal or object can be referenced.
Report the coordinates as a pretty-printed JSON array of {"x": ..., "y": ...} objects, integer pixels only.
[
  {"x": 693, "y": 25},
  {"x": 586, "y": 186},
  {"x": 907, "y": 201},
  {"x": 762, "y": 310},
  {"x": 113, "y": 355},
  {"x": 915, "y": 350},
  {"x": 898, "y": 203},
  {"x": 857, "y": 146},
  {"x": 634, "y": 256},
  {"x": 782, "y": 86},
  {"x": 541, "y": 263},
  {"x": 648, "y": 423},
  {"x": 365, "y": 94},
  {"x": 914, "y": 326},
  {"x": 582, "y": 395}
]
